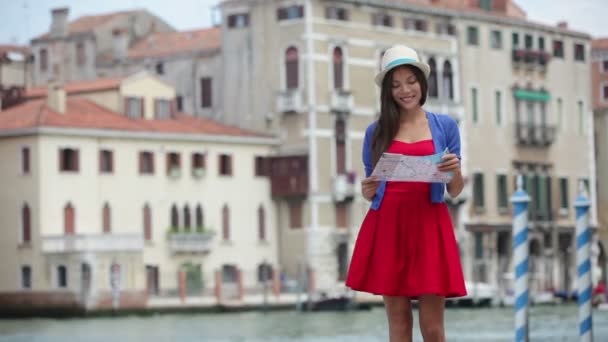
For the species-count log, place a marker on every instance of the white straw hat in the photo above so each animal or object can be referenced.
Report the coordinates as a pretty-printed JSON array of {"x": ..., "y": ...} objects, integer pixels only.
[{"x": 400, "y": 55}]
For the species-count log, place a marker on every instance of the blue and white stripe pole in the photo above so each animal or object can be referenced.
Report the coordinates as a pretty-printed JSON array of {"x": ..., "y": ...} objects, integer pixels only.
[
  {"x": 583, "y": 262},
  {"x": 520, "y": 200}
]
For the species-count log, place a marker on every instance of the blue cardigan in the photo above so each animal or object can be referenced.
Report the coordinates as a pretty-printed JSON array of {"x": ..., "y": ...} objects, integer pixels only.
[{"x": 445, "y": 133}]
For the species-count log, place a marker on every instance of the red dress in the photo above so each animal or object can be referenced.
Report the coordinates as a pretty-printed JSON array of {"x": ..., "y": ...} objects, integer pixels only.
[{"x": 407, "y": 247}]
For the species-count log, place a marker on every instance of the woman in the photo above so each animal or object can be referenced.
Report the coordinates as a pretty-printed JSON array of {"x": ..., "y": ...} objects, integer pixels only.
[{"x": 406, "y": 247}]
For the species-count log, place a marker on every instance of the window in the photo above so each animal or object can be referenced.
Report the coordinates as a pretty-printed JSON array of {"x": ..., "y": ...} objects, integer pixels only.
[
  {"x": 338, "y": 69},
  {"x": 291, "y": 12},
  {"x": 225, "y": 164},
  {"x": 25, "y": 160},
  {"x": 26, "y": 224},
  {"x": 340, "y": 134},
  {"x": 173, "y": 164},
  {"x": 106, "y": 161},
  {"x": 80, "y": 54},
  {"x": 558, "y": 49},
  {"x": 420, "y": 25},
  {"x": 198, "y": 164},
  {"x": 187, "y": 224},
  {"x": 147, "y": 220},
  {"x": 206, "y": 92},
  {"x": 382, "y": 19},
  {"x": 260, "y": 166},
  {"x": 515, "y": 40},
  {"x": 342, "y": 260},
  {"x": 474, "y": 105},
  {"x": 291, "y": 68},
  {"x": 336, "y": 13},
  {"x": 528, "y": 41},
  {"x": 341, "y": 215},
  {"x": 579, "y": 52},
  {"x": 44, "y": 60},
  {"x": 472, "y": 35},
  {"x": 199, "y": 217},
  {"x": 433, "y": 78},
  {"x": 68, "y": 160},
  {"x": 498, "y": 102},
  {"x": 26, "y": 277},
  {"x": 605, "y": 92},
  {"x": 68, "y": 219},
  {"x": 179, "y": 102},
  {"x": 478, "y": 245},
  {"x": 107, "y": 222},
  {"x": 496, "y": 39},
  {"x": 160, "y": 68},
  {"x": 226, "y": 223},
  {"x": 541, "y": 43},
  {"x": 134, "y": 107},
  {"x": 174, "y": 217},
  {"x": 146, "y": 162},
  {"x": 261, "y": 224},
  {"x": 485, "y": 5},
  {"x": 162, "y": 109},
  {"x": 295, "y": 214},
  {"x": 448, "y": 84},
  {"x": 563, "y": 195},
  {"x": 560, "y": 113},
  {"x": 238, "y": 20},
  {"x": 478, "y": 191},
  {"x": 581, "y": 118},
  {"x": 501, "y": 190},
  {"x": 62, "y": 276},
  {"x": 605, "y": 65}
]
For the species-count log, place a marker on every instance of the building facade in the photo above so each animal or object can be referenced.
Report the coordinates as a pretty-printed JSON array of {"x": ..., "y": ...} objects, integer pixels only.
[{"x": 106, "y": 188}]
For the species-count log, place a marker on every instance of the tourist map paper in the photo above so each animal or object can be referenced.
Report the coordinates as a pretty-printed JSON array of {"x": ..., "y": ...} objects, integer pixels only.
[{"x": 399, "y": 167}]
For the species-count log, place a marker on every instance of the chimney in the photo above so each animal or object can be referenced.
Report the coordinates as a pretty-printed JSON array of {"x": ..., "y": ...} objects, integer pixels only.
[
  {"x": 120, "y": 43},
  {"x": 562, "y": 25},
  {"x": 55, "y": 97},
  {"x": 59, "y": 22}
]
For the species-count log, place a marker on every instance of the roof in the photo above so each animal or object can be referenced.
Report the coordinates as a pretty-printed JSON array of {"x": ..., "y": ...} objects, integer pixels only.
[
  {"x": 84, "y": 114},
  {"x": 14, "y": 48},
  {"x": 88, "y": 22},
  {"x": 78, "y": 87},
  {"x": 171, "y": 43},
  {"x": 601, "y": 43}
]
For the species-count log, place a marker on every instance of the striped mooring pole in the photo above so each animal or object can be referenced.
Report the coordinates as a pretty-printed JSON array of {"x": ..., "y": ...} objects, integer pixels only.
[
  {"x": 583, "y": 263},
  {"x": 520, "y": 200}
]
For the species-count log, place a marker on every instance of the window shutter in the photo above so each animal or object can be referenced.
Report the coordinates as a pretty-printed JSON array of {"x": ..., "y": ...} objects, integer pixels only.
[
  {"x": 61, "y": 163},
  {"x": 141, "y": 108},
  {"x": 101, "y": 161},
  {"x": 168, "y": 157},
  {"x": 126, "y": 106},
  {"x": 173, "y": 108},
  {"x": 76, "y": 167}
]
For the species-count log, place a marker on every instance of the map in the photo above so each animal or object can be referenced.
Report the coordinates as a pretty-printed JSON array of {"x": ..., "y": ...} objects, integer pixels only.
[{"x": 403, "y": 168}]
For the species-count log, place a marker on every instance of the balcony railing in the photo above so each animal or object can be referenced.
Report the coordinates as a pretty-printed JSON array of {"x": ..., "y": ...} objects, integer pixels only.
[
  {"x": 195, "y": 242},
  {"x": 531, "y": 57},
  {"x": 289, "y": 176},
  {"x": 341, "y": 101},
  {"x": 289, "y": 101},
  {"x": 344, "y": 187},
  {"x": 93, "y": 243},
  {"x": 535, "y": 135}
]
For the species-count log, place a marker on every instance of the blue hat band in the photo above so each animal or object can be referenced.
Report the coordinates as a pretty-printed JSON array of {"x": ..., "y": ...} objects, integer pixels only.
[{"x": 400, "y": 61}]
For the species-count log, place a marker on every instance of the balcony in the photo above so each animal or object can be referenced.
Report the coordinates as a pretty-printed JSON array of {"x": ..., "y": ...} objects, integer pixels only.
[
  {"x": 343, "y": 187},
  {"x": 289, "y": 101},
  {"x": 289, "y": 176},
  {"x": 195, "y": 242},
  {"x": 92, "y": 243},
  {"x": 342, "y": 101},
  {"x": 531, "y": 57},
  {"x": 534, "y": 135}
]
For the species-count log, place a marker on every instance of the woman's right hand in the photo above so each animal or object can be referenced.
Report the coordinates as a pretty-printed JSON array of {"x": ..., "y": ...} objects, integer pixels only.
[{"x": 369, "y": 186}]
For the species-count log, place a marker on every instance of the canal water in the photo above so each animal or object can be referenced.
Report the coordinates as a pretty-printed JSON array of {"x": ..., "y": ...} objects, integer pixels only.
[{"x": 547, "y": 323}]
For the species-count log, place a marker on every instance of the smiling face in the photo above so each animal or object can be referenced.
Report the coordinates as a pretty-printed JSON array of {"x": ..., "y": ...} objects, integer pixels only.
[{"x": 406, "y": 88}]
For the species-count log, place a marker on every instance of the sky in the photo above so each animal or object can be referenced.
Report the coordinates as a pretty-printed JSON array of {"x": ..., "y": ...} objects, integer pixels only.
[{"x": 25, "y": 19}]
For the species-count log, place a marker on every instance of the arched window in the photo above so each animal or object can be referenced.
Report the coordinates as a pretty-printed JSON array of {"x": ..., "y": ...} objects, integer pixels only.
[
  {"x": 338, "y": 68},
  {"x": 291, "y": 68},
  {"x": 261, "y": 223},
  {"x": 26, "y": 222},
  {"x": 174, "y": 217},
  {"x": 199, "y": 217},
  {"x": 187, "y": 217},
  {"x": 433, "y": 78},
  {"x": 68, "y": 219},
  {"x": 106, "y": 219},
  {"x": 448, "y": 84}
]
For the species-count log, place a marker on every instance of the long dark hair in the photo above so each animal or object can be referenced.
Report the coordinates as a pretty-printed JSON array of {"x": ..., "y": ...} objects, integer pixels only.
[{"x": 390, "y": 115}]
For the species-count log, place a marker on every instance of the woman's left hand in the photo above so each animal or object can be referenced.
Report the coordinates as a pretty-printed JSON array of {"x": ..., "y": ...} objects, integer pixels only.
[{"x": 450, "y": 163}]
